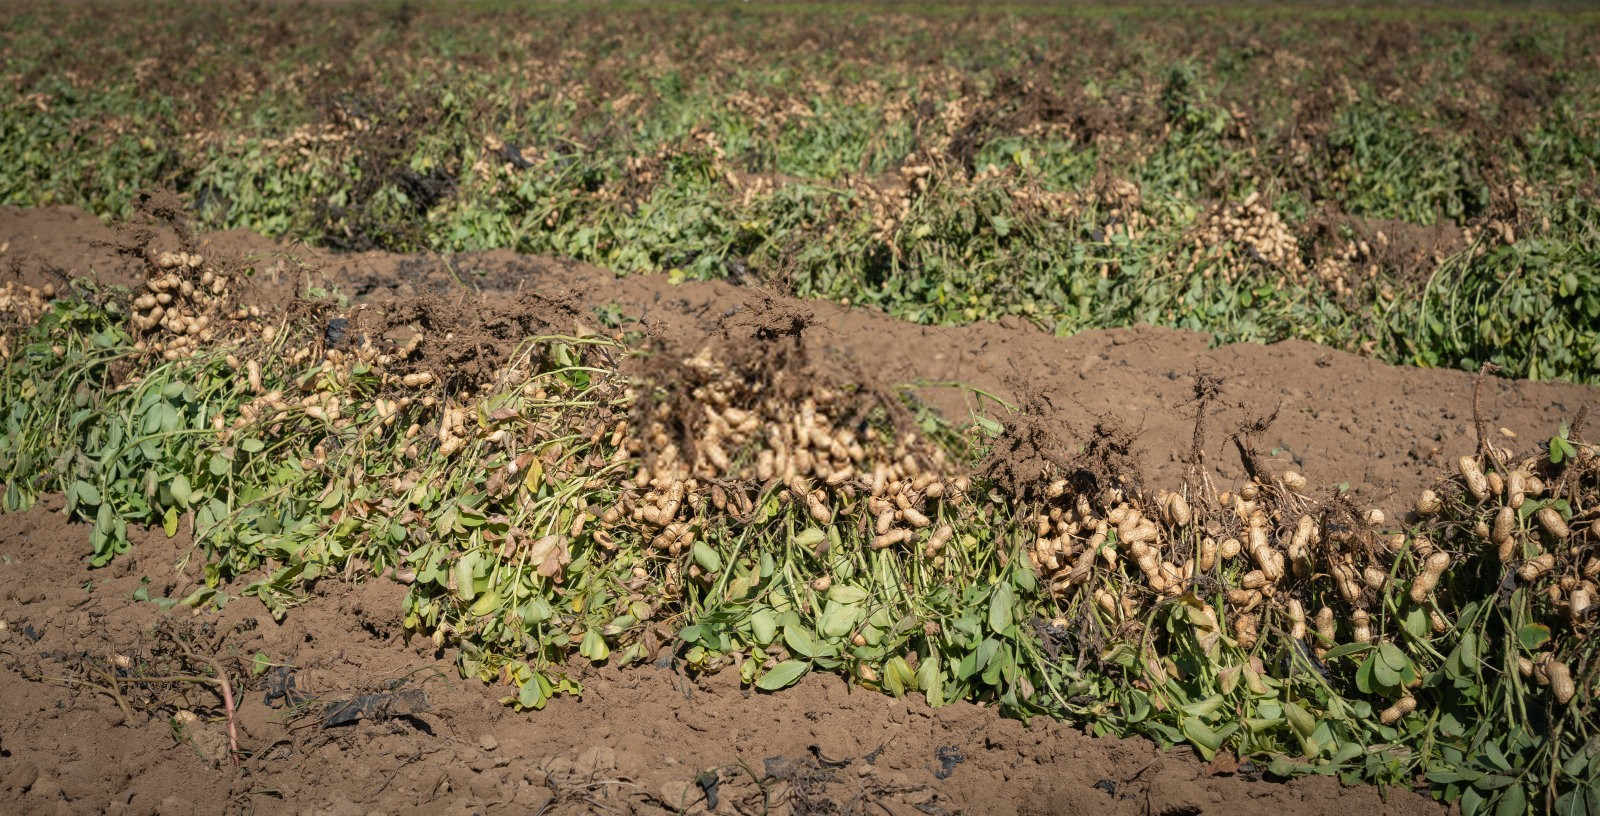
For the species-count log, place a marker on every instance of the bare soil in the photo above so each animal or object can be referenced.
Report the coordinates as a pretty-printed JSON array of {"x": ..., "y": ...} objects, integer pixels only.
[
  {"x": 638, "y": 740},
  {"x": 634, "y": 743}
]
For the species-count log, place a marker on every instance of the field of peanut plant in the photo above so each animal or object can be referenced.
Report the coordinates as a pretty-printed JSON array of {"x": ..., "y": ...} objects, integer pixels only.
[{"x": 558, "y": 490}]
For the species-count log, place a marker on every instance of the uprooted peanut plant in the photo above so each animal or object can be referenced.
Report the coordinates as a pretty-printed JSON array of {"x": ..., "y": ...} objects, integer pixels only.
[{"x": 728, "y": 507}]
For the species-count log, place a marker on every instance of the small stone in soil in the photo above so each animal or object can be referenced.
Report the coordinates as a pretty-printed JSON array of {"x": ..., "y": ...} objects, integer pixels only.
[{"x": 488, "y": 743}]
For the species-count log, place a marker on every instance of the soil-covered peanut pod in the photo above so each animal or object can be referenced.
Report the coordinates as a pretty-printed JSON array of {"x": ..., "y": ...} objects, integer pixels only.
[
  {"x": 1361, "y": 626},
  {"x": 1472, "y": 474},
  {"x": 1578, "y": 604},
  {"x": 1536, "y": 566},
  {"x": 1177, "y": 510},
  {"x": 1432, "y": 569},
  {"x": 1325, "y": 625},
  {"x": 1428, "y": 503},
  {"x": 1297, "y": 619},
  {"x": 1229, "y": 548},
  {"x": 1246, "y": 629},
  {"x": 1403, "y": 706},
  {"x": 1559, "y": 678},
  {"x": 817, "y": 506},
  {"x": 1516, "y": 489},
  {"x": 1374, "y": 576},
  {"x": 1552, "y": 522},
  {"x": 1505, "y": 527}
]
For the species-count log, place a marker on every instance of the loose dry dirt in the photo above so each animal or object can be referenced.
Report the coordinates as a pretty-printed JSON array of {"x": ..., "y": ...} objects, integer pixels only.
[
  {"x": 634, "y": 743},
  {"x": 637, "y": 740}
]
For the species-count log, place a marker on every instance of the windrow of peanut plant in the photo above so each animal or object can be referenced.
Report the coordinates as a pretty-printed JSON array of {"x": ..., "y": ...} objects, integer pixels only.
[
  {"x": 1416, "y": 186},
  {"x": 725, "y": 508}
]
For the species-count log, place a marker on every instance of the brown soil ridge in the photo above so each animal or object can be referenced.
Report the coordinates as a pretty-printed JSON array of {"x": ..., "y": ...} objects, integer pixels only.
[
  {"x": 1384, "y": 431},
  {"x": 637, "y": 739}
]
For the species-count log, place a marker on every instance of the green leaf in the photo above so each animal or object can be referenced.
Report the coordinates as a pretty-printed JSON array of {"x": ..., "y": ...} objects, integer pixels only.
[
  {"x": 897, "y": 676},
  {"x": 1202, "y": 736},
  {"x": 809, "y": 537},
  {"x": 1000, "y": 604},
  {"x": 764, "y": 626},
  {"x": 1449, "y": 726},
  {"x": 535, "y": 692},
  {"x": 1300, "y": 719},
  {"x": 594, "y": 646},
  {"x": 252, "y": 446},
  {"x": 801, "y": 641},
  {"x": 1514, "y": 802},
  {"x": 1467, "y": 650},
  {"x": 1345, "y": 649},
  {"x": 1496, "y": 756},
  {"x": 985, "y": 653},
  {"x": 169, "y": 522},
  {"x": 197, "y": 597},
  {"x": 742, "y": 585},
  {"x": 783, "y": 675},
  {"x": 706, "y": 557},
  {"x": 537, "y": 610},
  {"x": 1579, "y": 760},
  {"x": 1204, "y": 708},
  {"x": 181, "y": 489},
  {"x": 846, "y": 594},
  {"x": 1392, "y": 655},
  {"x": 931, "y": 680},
  {"x": 1560, "y": 448},
  {"x": 463, "y": 570},
  {"x": 1347, "y": 751},
  {"x": 839, "y": 619},
  {"x": 1384, "y": 675},
  {"x": 86, "y": 493},
  {"x": 333, "y": 498},
  {"x": 487, "y": 603},
  {"x": 1533, "y": 635},
  {"x": 259, "y": 664},
  {"x": 1416, "y": 624},
  {"x": 1024, "y": 580}
]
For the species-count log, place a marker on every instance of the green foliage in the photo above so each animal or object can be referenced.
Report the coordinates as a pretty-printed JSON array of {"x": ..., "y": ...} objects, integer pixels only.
[
  {"x": 501, "y": 565},
  {"x": 727, "y": 144},
  {"x": 1532, "y": 308}
]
